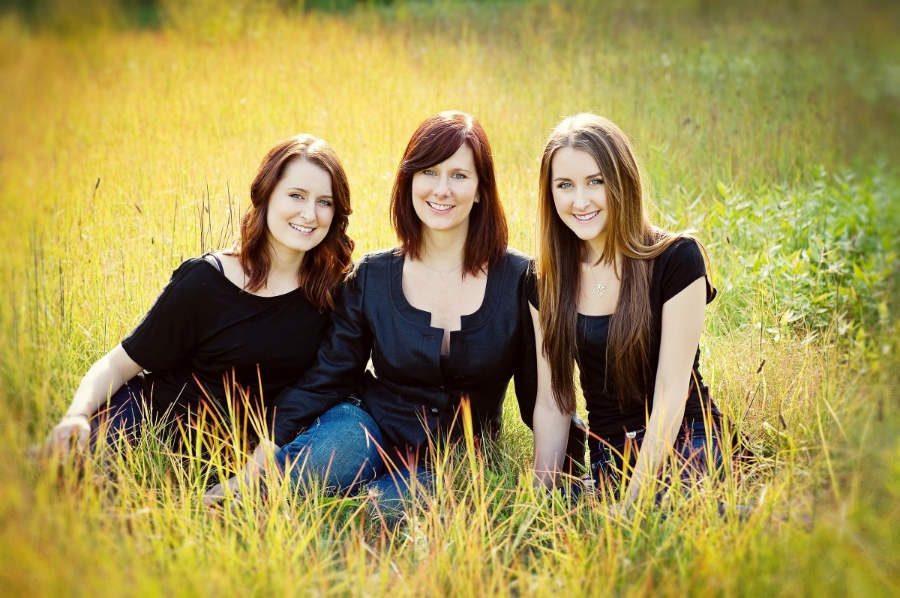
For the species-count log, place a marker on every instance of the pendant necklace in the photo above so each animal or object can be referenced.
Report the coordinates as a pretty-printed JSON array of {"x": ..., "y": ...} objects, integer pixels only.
[
  {"x": 599, "y": 289},
  {"x": 443, "y": 273}
]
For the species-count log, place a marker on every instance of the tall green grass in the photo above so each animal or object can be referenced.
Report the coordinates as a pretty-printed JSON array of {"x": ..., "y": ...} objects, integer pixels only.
[{"x": 771, "y": 128}]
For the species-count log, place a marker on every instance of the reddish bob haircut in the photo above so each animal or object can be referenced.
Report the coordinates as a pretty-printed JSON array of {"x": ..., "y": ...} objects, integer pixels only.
[
  {"x": 323, "y": 266},
  {"x": 436, "y": 139}
]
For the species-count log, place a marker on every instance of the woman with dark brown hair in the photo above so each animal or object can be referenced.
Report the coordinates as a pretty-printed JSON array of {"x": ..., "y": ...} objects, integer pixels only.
[
  {"x": 624, "y": 300},
  {"x": 245, "y": 319},
  {"x": 442, "y": 318}
]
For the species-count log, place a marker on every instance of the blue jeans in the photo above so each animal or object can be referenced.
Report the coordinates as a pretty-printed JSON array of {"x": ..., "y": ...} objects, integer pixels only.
[
  {"x": 345, "y": 451},
  {"x": 697, "y": 452},
  {"x": 122, "y": 415},
  {"x": 341, "y": 450}
]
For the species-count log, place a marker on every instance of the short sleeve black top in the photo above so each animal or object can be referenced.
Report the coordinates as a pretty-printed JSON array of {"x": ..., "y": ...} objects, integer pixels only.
[
  {"x": 672, "y": 271},
  {"x": 410, "y": 394},
  {"x": 203, "y": 329}
]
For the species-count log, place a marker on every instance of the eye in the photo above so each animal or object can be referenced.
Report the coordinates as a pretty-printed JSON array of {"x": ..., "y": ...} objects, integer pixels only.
[
  {"x": 459, "y": 176},
  {"x": 429, "y": 172},
  {"x": 325, "y": 202},
  {"x": 596, "y": 181},
  {"x": 295, "y": 195},
  {"x": 564, "y": 185}
]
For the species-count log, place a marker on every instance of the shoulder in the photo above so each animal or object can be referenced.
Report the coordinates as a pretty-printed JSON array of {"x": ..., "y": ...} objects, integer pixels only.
[
  {"x": 680, "y": 264},
  {"x": 195, "y": 270},
  {"x": 684, "y": 253},
  {"x": 517, "y": 262},
  {"x": 378, "y": 263}
]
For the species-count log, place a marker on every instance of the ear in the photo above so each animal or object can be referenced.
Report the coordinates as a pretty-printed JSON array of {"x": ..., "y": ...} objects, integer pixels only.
[{"x": 477, "y": 199}]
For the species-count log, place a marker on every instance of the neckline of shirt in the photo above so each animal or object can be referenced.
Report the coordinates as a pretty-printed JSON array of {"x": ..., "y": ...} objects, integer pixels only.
[
  {"x": 421, "y": 317},
  {"x": 241, "y": 292}
]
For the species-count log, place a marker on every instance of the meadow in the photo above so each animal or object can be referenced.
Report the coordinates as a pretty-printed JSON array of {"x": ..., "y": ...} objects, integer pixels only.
[{"x": 127, "y": 144}]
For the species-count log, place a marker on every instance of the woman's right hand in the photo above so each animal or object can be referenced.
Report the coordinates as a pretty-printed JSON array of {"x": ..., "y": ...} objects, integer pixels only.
[{"x": 73, "y": 432}]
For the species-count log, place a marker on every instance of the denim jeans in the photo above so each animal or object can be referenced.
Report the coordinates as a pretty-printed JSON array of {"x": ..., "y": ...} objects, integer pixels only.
[
  {"x": 345, "y": 451},
  {"x": 696, "y": 451},
  {"x": 341, "y": 450},
  {"x": 122, "y": 415}
]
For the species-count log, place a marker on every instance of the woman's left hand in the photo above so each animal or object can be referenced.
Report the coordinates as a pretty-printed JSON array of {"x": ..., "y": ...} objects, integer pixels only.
[
  {"x": 617, "y": 510},
  {"x": 220, "y": 491}
]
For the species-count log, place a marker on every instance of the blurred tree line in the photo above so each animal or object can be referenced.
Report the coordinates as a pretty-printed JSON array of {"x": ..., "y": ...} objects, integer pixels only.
[{"x": 66, "y": 15}]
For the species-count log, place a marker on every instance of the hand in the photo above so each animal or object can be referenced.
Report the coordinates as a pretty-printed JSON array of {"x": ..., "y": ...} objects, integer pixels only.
[
  {"x": 59, "y": 442},
  {"x": 616, "y": 510},
  {"x": 219, "y": 491}
]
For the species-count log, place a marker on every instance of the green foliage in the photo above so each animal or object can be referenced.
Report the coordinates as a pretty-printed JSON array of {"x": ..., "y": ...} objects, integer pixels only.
[{"x": 820, "y": 258}]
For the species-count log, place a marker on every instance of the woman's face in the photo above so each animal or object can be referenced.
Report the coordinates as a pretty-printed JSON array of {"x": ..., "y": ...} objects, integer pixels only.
[
  {"x": 443, "y": 195},
  {"x": 579, "y": 193},
  {"x": 301, "y": 208}
]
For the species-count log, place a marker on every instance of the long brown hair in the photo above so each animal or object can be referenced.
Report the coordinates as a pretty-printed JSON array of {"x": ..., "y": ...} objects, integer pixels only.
[
  {"x": 324, "y": 265},
  {"x": 561, "y": 253},
  {"x": 436, "y": 139}
]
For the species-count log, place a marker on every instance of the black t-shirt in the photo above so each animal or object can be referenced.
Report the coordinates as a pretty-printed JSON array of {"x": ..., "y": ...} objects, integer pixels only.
[
  {"x": 673, "y": 271},
  {"x": 202, "y": 329}
]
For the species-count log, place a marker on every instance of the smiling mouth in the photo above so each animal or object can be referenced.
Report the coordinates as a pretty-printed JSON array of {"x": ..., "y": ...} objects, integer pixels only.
[
  {"x": 586, "y": 217},
  {"x": 438, "y": 207},
  {"x": 301, "y": 229}
]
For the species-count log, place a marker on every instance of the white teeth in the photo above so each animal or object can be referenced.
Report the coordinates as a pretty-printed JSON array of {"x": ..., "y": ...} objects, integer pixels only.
[
  {"x": 439, "y": 207},
  {"x": 585, "y": 217},
  {"x": 302, "y": 229}
]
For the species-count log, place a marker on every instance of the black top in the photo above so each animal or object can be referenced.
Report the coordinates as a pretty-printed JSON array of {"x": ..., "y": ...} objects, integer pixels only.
[
  {"x": 202, "y": 327},
  {"x": 406, "y": 390},
  {"x": 672, "y": 271}
]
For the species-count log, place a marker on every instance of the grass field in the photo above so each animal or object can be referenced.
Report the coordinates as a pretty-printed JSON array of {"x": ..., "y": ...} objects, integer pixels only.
[{"x": 773, "y": 129}]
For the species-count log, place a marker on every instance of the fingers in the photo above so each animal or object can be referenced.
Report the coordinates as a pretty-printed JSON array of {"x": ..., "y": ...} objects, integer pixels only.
[
  {"x": 67, "y": 434},
  {"x": 213, "y": 495}
]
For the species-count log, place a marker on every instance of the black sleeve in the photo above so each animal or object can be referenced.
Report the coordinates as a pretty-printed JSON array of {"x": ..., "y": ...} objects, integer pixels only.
[
  {"x": 171, "y": 329},
  {"x": 684, "y": 265},
  {"x": 531, "y": 288},
  {"x": 339, "y": 366},
  {"x": 525, "y": 375}
]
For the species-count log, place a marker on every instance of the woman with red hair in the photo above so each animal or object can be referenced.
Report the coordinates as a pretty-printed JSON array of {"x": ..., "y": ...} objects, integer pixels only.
[{"x": 249, "y": 318}]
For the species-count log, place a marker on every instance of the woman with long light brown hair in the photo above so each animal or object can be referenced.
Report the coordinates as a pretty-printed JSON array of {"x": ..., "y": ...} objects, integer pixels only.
[
  {"x": 248, "y": 319},
  {"x": 625, "y": 300}
]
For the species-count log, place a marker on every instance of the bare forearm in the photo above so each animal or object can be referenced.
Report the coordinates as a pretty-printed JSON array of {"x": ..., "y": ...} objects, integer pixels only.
[
  {"x": 98, "y": 384},
  {"x": 551, "y": 428},
  {"x": 662, "y": 428}
]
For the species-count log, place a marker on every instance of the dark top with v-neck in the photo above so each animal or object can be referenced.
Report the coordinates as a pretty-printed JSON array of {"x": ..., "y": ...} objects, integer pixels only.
[
  {"x": 204, "y": 336},
  {"x": 406, "y": 390},
  {"x": 672, "y": 272}
]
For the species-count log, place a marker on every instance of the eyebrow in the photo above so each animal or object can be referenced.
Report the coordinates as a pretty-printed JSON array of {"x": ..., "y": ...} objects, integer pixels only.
[
  {"x": 307, "y": 192},
  {"x": 592, "y": 176}
]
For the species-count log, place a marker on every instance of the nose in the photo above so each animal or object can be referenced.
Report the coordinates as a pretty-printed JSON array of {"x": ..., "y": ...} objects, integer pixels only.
[
  {"x": 442, "y": 188},
  {"x": 581, "y": 199},
  {"x": 308, "y": 211}
]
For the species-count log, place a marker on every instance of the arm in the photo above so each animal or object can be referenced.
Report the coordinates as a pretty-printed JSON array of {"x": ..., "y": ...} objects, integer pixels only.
[
  {"x": 551, "y": 426},
  {"x": 103, "y": 379},
  {"x": 682, "y": 325},
  {"x": 340, "y": 363}
]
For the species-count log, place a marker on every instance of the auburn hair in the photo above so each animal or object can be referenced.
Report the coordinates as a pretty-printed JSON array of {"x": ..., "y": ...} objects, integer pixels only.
[
  {"x": 436, "y": 139},
  {"x": 326, "y": 264},
  {"x": 629, "y": 234}
]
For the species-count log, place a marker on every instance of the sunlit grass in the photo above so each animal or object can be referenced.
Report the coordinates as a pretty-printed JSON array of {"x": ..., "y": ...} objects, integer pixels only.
[{"x": 772, "y": 130}]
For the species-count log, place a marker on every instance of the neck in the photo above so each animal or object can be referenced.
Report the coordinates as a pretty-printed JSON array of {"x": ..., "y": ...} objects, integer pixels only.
[
  {"x": 443, "y": 249},
  {"x": 595, "y": 248},
  {"x": 285, "y": 264}
]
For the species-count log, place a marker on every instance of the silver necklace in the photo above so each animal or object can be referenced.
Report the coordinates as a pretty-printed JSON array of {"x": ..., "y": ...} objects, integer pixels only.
[
  {"x": 443, "y": 273},
  {"x": 599, "y": 289}
]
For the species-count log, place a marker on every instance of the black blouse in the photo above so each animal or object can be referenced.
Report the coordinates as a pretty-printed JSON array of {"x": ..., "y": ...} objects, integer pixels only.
[
  {"x": 406, "y": 389},
  {"x": 672, "y": 271},
  {"x": 203, "y": 333}
]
